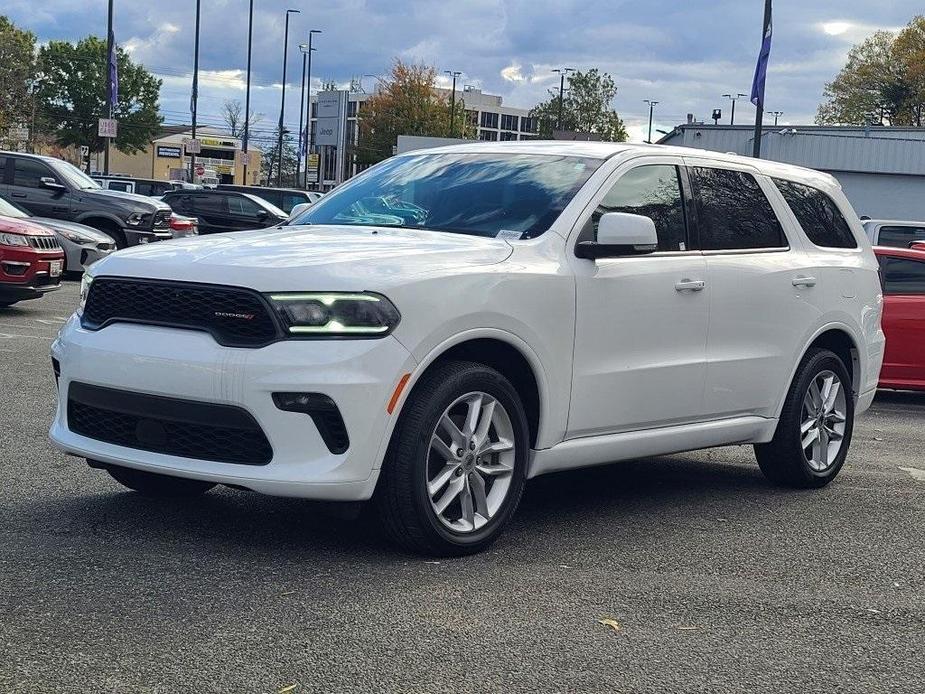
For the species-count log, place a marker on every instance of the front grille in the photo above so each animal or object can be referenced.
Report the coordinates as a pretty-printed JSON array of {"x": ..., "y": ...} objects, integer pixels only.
[
  {"x": 162, "y": 219},
  {"x": 44, "y": 243},
  {"x": 234, "y": 316},
  {"x": 184, "y": 428}
]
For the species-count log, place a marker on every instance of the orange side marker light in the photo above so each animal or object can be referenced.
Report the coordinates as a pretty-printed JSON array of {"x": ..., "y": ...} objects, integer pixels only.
[{"x": 403, "y": 381}]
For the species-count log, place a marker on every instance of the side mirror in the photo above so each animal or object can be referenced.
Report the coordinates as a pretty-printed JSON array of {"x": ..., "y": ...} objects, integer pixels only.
[
  {"x": 262, "y": 215},
  {"x": 49, "y": 182},
  {"x": 299, "y": 209},
  {"x": 619, "y": 234}
]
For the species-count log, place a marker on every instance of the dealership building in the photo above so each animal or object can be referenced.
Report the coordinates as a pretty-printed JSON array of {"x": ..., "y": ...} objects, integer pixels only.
[
  {"x": 881, "y": 169},
  {"x": 166, "y": 158}
]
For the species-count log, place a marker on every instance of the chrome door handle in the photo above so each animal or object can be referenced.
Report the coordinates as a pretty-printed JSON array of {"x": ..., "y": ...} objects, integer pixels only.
[
  {"x": 804, "y": 281},
  {"x": 690, "y": 286}
]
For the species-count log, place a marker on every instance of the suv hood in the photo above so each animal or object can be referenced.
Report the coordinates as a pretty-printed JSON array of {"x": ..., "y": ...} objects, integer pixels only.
[
  {"x": 329, "y": 258},
  {"x": 87, "y": 233},
  {"x": 131, "y": 202}
]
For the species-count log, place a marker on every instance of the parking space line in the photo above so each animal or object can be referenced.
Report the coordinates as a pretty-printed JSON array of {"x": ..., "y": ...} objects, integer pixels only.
[{"x": 917, "y": 475}]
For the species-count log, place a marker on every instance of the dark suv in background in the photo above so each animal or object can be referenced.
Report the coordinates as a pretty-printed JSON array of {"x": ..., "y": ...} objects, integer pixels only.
[
  {"x": 49, "y": 187},
  {"x": 283, "y": 198},
  {"x": 220, "y": 210}
]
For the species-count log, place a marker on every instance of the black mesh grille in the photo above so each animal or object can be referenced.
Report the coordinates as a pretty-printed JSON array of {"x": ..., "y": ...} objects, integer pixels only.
[
  {"x": 205, "y": 431},
  {"x": 162, "y": 219},
  {"x": 235, "y": 317}
]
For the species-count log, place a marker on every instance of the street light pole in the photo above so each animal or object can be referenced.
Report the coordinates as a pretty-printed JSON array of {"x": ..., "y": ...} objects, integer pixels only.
[
  {"x": 562, "y": 73},
  {"x": 247, "y": 93},
  {"x": 282, "y": 104},
  {"x": 776, "y": 114},
  {"x": 734, "y": 97},
  {"x": 454, "y": 74},
  {"x": 195, "y": 98},
  {"x": 652, "y": 105},
  {"x": 306, "y": 137}
]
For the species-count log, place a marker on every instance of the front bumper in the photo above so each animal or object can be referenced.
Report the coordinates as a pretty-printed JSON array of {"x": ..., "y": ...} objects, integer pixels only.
[{"x": 358, "y": 375}]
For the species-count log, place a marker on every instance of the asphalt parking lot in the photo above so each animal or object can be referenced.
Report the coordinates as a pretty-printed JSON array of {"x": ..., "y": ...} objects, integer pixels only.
[{"x": 716, "y": 581}]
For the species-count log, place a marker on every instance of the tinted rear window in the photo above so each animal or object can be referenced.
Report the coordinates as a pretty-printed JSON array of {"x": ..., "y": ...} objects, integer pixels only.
[
  {"x": 734, "y": 212},
  {"x": 900, "y": 236},
  {"x": 818, "y": 214}
]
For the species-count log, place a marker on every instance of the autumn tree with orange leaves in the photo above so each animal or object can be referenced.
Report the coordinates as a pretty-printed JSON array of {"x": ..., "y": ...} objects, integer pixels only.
[{"x": 408, "y": 102}]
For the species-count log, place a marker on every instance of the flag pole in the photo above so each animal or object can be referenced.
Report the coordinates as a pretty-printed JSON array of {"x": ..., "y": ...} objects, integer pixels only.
[
  {"x": 110, "y": 40},
  {"x": 761, "y": 73}
]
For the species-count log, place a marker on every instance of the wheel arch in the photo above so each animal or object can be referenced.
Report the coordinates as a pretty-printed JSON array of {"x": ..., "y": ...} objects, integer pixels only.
[
  {"x": 838, "y": 338},
  {"x": 500, "y": 350}
]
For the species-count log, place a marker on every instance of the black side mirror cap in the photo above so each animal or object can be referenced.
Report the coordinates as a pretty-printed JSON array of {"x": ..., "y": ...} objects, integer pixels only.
[{"x": 592, "y": 250}]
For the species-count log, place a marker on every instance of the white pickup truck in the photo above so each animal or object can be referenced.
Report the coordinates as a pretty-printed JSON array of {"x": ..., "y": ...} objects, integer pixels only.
[{"x": 891, "y": 232}]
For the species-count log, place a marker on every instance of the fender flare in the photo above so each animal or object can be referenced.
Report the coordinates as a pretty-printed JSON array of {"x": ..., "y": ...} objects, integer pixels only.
[{"x": 539, "y": 373}]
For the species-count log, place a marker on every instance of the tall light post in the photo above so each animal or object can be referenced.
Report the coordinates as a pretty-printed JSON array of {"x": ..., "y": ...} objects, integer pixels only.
[
  {"x": 652, "y": 105},
  {"x": 562, "y": 73},
  {"x": 454, "y": 74},
  {"x": 247, "y": 92},
  {"x": 776, "y": 114},
  {"x": 194, "y": 101},
  {"x": 305, "y": 136},
  {"x": 734, "y": 97},
  {"x": 282, "y": 104},
  {"x": 110, "y": 39}
]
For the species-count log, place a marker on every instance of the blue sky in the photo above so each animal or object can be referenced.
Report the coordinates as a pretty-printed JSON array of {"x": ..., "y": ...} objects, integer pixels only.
[{"x": 683, "y": 54}]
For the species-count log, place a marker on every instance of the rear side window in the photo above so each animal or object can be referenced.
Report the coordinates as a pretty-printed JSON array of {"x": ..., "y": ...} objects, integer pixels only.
[
  {"x": 120, "y": 185},
  {"x": 903, "y": 276},
  {"x": 210, "y": 204},
  {"x": 734, "y": 212},
  {"x": 818, "y": 214},
  {"x": 900, "y": 237},
  {"x": 651, "y": 191}
]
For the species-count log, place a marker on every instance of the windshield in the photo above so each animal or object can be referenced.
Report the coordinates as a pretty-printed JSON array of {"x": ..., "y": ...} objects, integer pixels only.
[
  {"x": 269, "y": 206},
  {"x": 519, "y": 195},
  {"x": 74, "y": 176},
  {"x": 8, "y": 209}
]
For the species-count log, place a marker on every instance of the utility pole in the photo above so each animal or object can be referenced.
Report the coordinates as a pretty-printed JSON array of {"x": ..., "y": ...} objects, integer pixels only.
[
  {"x": 308, "y": 120},
  {"x": 454, "y": 74},
  {"x": 652, "y": 105},
  {"x": 247, "y": 93},
  {"x": 109, "y": 85},
  {"x": 282, "y": 105},
  {"x": 734, "y": 98},
  {"x": 562, "y": 73},
  {"x": 195, "y": 98}
]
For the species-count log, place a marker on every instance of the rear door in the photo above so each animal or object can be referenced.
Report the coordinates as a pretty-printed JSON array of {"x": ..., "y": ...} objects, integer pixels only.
[
  {"x": 27, "y": 190},
  {"x": 903, "y": 322},
  {"x": 758, "y": 318}
]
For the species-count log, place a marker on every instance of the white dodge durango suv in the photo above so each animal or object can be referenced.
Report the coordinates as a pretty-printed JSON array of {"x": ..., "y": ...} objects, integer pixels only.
[{"x": 455, "y": 321}]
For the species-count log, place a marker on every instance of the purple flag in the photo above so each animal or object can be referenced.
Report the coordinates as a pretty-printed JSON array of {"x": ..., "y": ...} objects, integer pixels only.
[
  {"x": 761, "y": 70},
  {"x": 113, "y": 72}
]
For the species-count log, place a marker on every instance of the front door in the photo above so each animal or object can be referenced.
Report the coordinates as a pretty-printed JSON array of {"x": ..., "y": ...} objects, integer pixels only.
[
  {"x": 28, "y": 191},
  {"x": 641, "y": 323}
]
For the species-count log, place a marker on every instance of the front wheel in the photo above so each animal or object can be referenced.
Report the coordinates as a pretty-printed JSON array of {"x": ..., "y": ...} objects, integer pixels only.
[
  {"x": 154, "y": 485},
  {"x": 456, "y": 467},
  {"x": 814, "y": 431}
]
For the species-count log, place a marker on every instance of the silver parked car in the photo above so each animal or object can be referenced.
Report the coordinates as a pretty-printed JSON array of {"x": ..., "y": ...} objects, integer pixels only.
[{"x": 82, "y": 245}]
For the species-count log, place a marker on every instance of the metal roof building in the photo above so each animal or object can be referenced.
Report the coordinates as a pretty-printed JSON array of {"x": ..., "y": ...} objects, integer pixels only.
[{"x": 881, "y": 169}]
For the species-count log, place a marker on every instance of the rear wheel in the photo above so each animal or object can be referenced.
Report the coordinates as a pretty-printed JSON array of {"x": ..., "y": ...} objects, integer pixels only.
[
  {"x": 456, "y": 468},
  {"x": 154, "y": 485},
  {"x": 815, "y": 427}
]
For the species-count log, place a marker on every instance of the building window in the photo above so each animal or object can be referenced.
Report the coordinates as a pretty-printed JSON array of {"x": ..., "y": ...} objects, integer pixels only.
[
  {"x": 227, "y": 154},
  {"x": 528, "y": 124},
  {"x": 508, "y": 122},
  {"x": 488, "y": 135},
  {"x": 505, "y": 137},
  {"x": 489, "y": 119},
  {"x": 352, "y": 109}
]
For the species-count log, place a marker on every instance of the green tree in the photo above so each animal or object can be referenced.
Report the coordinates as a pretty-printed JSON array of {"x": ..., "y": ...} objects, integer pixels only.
[
  {"x": 72, "y": 95},
  {"x": 269, "y": 165},
  {"x": 406, "y": 103},
  {"x": 17, "y": 70},
  {"x": 883, "y": 81},
  {"x": 586, "y": 107}
]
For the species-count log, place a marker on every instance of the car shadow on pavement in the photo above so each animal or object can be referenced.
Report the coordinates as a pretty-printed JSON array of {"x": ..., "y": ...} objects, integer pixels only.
[
  {"x": 910, "y": 398},
  {"x": 227, "y": 519}
]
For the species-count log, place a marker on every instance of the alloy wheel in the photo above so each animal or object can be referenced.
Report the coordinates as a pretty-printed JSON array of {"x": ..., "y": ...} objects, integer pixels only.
[
  {"x": 470, "y": 462},
  {"x": 822, "y": 430}
]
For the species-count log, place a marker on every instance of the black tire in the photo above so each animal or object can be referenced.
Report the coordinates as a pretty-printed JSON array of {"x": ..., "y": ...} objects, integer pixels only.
[
  {"x": 154, "y": 485},
  {"x": 404, "y": 508},
  {"x": 111, "y": 230},
  {"x": 5, "y": 304},
  {"x": 783, "y": 460}
]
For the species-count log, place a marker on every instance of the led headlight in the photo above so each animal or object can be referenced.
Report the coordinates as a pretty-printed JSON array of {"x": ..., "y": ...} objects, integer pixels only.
[
  {"x": 336, "y": 314},
  {"x": 135, "y": 219},
  {"x": 13, "y": 240}
]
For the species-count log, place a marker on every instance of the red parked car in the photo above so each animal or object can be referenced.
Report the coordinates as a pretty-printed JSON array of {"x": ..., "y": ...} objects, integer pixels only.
[
  {"x": 903, "y": 273},
  {"x": 31, "y": 260}
]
